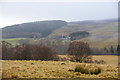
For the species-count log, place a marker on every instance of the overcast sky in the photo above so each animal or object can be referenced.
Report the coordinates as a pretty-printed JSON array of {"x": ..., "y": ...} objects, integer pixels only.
[{"x": 21, "y": 12}]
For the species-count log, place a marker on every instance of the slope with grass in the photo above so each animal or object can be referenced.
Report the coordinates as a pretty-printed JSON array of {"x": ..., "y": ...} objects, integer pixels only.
[{"x": 103, "y": 33}]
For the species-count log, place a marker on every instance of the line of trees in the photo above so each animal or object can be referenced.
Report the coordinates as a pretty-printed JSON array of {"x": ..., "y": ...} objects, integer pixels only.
[
  {"x": 61, "y": 46},
  {"x": 111, "y": 50},
  {"x": 58, "y": 45},
  {"x": 27, "y": 52},
  {"x": 106, "y": 51},
  {"x": 77, "y": 51}
]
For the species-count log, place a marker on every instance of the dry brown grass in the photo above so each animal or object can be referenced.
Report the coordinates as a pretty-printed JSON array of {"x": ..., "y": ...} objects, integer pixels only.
[
  {"x": 109, "y": 59},
  {"x": 54, "y": 69}
]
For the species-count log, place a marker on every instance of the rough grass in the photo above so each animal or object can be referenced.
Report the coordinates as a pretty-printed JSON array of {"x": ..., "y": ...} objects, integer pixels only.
[
  {"x": 51, "y": 69},
  {"x": 101, "y": 43},
  {"x": 109, "y": 59}
]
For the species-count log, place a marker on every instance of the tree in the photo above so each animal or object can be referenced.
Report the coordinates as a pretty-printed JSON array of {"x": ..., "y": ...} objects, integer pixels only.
[
  {"x": 6, "y": 50},
  {"x": 22, "y": 52},
  {"x": 78, "y": 51},
  {"x": 112, "y": 50},
  {"x": 118, "y": 49},
  {"x": 43, "y": 53},
  {"x": 27, "y": 52},
  {"x": 34, "y": 52},
  {"x": 78, "y": 35},
  {"x": 106, "y": 50}
]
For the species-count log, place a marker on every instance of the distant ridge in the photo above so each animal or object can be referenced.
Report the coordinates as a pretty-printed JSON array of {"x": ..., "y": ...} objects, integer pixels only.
[{"x": 32, "y": 29}]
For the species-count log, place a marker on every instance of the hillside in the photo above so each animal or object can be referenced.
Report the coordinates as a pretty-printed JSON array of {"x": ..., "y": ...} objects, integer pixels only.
[
  {"x": 32, "y": 29},
  {"x": 94, "y": 27},
  {"x": 103, "y": 33}
]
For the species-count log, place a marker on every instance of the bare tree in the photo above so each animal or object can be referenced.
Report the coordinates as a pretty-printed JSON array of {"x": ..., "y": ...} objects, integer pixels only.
[{"x": 78, "y": 51}]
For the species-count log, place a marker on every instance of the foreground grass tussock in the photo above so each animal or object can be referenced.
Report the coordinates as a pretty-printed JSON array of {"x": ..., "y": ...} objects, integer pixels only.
[{"x": 88, "y": 69}]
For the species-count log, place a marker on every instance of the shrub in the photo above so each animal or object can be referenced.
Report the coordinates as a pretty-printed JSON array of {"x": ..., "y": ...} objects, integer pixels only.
[
  {"x": 14, "y": 76},
  {"x": 88, "y": 60},
  {"x": 100, "y": 62},
  {"x": 88, "y": 69},
  {"x": 63, "y": 63}
]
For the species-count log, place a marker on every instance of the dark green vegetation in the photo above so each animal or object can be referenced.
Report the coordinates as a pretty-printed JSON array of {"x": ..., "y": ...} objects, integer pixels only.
[
  {"x": 33, "y": 29},
  {"x": 78, "y": 35}
]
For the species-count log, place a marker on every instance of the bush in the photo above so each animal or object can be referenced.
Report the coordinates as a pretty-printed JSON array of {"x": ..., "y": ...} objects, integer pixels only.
[
  {"x": 78, "y": 51},
  {"x": 88, "y": 69},
  {"x": 63, "y": 63},
  {"x": 88, "y": 60},
  {"x": 99, "y": 62}
]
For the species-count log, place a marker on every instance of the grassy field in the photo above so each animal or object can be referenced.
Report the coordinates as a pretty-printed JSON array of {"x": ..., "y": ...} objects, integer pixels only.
[
  {"x": 13, "y": 41},
  {"x": 109, "y": 59},
  {"x": 57, "y": 69}
]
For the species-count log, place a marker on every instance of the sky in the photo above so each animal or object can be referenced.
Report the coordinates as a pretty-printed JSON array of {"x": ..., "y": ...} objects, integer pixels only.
[{"x": 20, "y": 12}]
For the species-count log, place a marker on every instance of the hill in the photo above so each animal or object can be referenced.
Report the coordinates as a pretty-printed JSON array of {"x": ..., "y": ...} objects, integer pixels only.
[
  {"x": 94, "y": 27},
  {"x": 103, "y": 33},
  {"x": 32, "y": 29}
]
